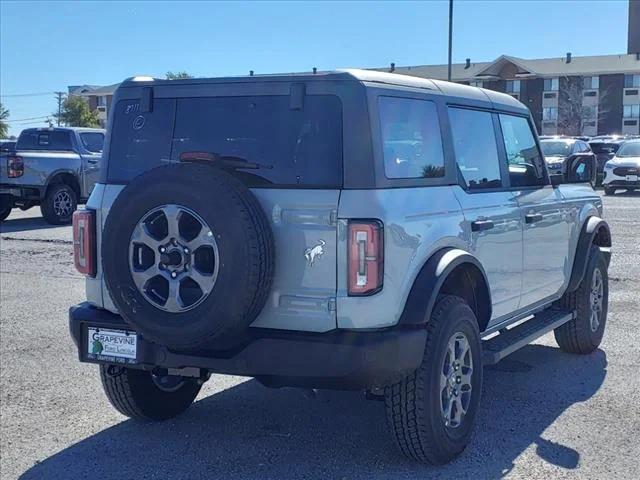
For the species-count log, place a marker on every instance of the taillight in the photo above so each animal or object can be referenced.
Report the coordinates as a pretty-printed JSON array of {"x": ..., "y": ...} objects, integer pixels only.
[
  {"x": 84, "y": 242},
  {"x": 15, "y": 166},
  {"x": 366, "y": 257}
]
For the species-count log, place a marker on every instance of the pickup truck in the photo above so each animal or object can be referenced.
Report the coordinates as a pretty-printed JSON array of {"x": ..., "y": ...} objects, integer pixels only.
[{"x": 55, "y": 168}]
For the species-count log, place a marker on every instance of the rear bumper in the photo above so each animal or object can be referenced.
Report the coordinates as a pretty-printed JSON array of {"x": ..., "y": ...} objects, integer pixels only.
[
  {"x": 22, "y": 192},
  {"x": 342, "y": 360}
]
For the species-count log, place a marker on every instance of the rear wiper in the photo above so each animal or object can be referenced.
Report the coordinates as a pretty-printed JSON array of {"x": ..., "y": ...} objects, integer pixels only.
[{"x": 227, "y": 161}]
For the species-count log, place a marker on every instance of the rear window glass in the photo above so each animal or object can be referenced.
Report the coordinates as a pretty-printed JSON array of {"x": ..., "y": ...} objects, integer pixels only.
[
  {"x": 412, "y": 143},
  {"x": 292, "y": 147},
  {"x": 57, "y": 140},
  {"x": 92, "y": 141}
]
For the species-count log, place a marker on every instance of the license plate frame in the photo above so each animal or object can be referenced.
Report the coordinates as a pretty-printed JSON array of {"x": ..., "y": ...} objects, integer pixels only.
[
  {"x": 111, "y": 345},
  {"x": 632, "y": 178}
]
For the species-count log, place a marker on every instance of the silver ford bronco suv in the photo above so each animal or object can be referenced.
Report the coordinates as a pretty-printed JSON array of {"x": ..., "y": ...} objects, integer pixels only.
[{"x": 348, "y": 230}]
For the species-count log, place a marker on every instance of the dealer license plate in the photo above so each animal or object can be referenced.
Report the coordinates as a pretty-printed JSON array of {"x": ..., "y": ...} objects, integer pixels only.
[
  {"x": 632, "y": 178},
  {"x": 114, "y": 346}
]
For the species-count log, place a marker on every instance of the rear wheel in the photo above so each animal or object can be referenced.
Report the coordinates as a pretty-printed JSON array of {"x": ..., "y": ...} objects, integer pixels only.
[
  {"x": 59, "y": 204},
  {"x": 432, "y": 411},
  {"x": 144, "y": 396},
  {"x": 609, "y": 190},
  {"x": 590, "y": 303}
]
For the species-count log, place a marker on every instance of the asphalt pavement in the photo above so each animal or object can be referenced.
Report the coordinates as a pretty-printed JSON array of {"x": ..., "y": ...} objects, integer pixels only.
[{"x": 544, "y": 414}]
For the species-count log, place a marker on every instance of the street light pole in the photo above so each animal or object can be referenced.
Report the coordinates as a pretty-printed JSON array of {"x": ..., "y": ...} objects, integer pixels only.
[{"x": 450, "y": 38}]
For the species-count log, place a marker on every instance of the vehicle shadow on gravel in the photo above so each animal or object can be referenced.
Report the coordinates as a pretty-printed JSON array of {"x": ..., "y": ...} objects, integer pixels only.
[
  {"x": 25, "y": 225},
  {"x": 249, "y": 431}
]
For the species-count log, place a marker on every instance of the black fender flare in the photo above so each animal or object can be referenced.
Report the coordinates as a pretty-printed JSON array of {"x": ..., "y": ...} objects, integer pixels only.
[
  {"x": 594, "y": 231},
  {"x": 61, "y": 171},
  {"x": 429, "y": 281}
]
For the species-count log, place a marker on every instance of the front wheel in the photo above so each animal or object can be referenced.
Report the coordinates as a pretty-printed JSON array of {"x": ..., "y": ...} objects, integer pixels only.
[
  {"x": 609, "y": 190},
  {"x": 59, "y": 204},
  {"x": 590, "y": 302},
  {"x": 142, "y": 395},
  {"x": 432, "y": 411}
]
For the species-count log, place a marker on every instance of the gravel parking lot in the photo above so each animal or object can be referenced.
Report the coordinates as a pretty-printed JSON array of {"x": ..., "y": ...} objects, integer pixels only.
[{"x": 544, "y": 414}]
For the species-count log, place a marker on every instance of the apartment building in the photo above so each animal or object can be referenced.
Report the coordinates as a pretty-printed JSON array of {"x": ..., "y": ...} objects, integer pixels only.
[
  {"x": 571, "y": 95},
  {"x": 98, "y": 97}
]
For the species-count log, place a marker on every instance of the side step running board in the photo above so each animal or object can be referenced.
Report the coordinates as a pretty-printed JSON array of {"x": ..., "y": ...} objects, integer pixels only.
[{"x": 508, "y": 341}]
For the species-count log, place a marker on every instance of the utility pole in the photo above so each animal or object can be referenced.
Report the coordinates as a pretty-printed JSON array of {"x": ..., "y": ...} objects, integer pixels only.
[
  {"x": 59, "y": 95},
  {"x": 450, "y": 38}
]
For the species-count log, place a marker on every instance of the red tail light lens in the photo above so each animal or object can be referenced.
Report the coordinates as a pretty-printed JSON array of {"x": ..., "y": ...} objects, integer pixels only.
[
  {"x": 84, "y": 242},
  {"x": 15, "y": 166},
  {"x": 366, "y": 257}
]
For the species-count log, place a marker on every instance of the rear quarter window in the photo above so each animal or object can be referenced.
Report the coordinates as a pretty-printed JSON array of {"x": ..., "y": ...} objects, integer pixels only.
[
  {"x": 55, "y": 140},
  {"x": 294, "y": 147}
]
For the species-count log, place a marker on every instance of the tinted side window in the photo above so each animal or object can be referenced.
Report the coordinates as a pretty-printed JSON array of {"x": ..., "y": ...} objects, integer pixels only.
[
  {"x": 475, "y": 147},
  {"x": 411, "y": 139},
  {"x": 92, "y": 141},
  {"x": 56, "y": 140},
  {"x": 523, "y": 156}
]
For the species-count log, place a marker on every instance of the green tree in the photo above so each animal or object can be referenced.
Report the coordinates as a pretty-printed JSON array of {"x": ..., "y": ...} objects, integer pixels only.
[
  {"x": 177, "y": 75},
  {"x": 76, "y": 113},
  {"x": 4, "y": 126}
]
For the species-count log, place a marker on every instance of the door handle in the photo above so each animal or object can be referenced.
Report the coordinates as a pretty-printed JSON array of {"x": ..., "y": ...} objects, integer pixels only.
[
  {"x": 533, "y": 217},
  {"x": 480, "y": 225}
]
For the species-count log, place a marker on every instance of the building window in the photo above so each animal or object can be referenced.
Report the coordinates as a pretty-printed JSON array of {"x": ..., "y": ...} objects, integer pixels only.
[
  {"x": 591, "y": 83},
  {"x": 631, "y": 111},
  {"x": 513, "y": 86},
  {"x": 590, "y": 112},
  {"x": 102, "y": 101},
  {"x": 477, "y": 83},
  {"x": 631, "y": 81},
  {"x": 550, "y": 84},
  {"x": 550, "y": 113}
]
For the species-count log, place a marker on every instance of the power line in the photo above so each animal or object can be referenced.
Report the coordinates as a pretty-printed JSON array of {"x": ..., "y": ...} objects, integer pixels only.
[
  {"x": 27, "y": 94},
  {"x": 23, "y": 119}
]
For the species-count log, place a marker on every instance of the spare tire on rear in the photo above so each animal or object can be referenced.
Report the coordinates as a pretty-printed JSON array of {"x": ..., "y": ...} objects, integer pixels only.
[{"x": 188, "y": 256}]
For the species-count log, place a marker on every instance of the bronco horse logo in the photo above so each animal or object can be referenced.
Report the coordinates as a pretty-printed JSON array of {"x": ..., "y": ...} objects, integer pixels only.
[{"x": 312, "y": 253}]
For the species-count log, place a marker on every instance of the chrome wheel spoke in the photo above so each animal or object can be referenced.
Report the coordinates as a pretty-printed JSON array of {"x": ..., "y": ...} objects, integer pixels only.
[
  {"x": 174, "y": 302},
  {"x": 205, "y": 237},
  {"x": 172, "y": 213},
  {"x": 141, "y": 277},
  {"x": 205, "y": 282},
  {"x": 142, "y": 235}
]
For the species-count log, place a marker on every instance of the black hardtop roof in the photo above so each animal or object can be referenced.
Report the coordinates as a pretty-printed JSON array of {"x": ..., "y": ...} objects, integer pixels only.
[{"x": 364, "y": 77}]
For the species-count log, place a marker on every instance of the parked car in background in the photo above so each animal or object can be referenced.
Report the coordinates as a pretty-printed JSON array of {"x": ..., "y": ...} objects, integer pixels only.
[
  {"x": 52, "y": 167},
  {"x": 604, "y": 149},
  {"x": 623, "y": 170},
  {"x": 6, "y": 146},
  {"x": 559, "y": 151}
]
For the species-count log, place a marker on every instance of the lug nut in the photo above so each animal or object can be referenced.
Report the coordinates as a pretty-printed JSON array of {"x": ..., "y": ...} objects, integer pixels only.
[
  {"x": 174, "y": 274},
  {"x": 186, "y": 250},
  {"x": 162, "y": 249}
]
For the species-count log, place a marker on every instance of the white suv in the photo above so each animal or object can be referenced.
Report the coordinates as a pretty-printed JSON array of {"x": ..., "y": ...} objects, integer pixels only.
[{"x": 623, "y": 170}]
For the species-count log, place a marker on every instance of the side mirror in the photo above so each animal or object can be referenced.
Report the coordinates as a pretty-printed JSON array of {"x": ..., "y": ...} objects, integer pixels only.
[{"x": 581, "y": 168}]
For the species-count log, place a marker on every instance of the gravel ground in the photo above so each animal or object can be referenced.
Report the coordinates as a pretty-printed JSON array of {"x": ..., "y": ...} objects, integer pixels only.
[{"x": 544, "y": 414}]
